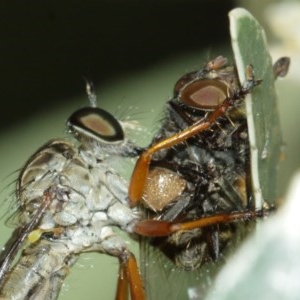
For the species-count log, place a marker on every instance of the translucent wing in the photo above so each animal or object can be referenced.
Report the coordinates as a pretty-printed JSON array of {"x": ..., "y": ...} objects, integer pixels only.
[{"x": 164, "y": 280}]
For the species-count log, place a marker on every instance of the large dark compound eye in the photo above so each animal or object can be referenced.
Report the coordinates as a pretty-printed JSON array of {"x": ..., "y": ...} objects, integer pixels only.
[
  {"x": 203, "y": 94},
  {"x": 97, "y": 124}
]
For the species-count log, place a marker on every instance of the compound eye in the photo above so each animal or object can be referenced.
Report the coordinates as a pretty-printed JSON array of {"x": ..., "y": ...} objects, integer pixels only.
[
  {"x": 183, "y": 81},
  {"x": 203, "y": 94},
  {"x": 96, "y": 123}
]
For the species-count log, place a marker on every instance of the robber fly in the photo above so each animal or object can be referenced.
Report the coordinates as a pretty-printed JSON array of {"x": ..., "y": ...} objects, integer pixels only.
[
  {"x": 194, "y": 179},
  {"x": 70, "y": 199}
]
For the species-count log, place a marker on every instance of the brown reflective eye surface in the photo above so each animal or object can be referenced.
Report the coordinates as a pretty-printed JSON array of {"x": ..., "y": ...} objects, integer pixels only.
[
  {"x": 184, "y": 80},
  {"x": 97, "y": 124},
  {"x": 203, "y": 94}
]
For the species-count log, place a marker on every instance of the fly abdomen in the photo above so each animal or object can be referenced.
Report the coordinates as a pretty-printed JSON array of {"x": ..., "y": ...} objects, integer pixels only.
[{"x": 39, "y": 273}]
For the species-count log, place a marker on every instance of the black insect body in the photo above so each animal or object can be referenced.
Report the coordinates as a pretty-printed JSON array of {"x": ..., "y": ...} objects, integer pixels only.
[{"x": 213, "y": 165}]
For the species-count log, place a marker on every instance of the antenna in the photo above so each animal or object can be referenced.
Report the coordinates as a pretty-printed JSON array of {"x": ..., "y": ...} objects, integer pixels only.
[{"x": 90, "y": 90}]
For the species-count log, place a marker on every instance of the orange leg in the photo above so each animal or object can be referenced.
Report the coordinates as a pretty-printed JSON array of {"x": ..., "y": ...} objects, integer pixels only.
[
  {"x": 129, "y": 276},
  {"x": 141, "y": 170},
  {"x": 154, "y": 228},
  {"x": 122, "y": 287}
]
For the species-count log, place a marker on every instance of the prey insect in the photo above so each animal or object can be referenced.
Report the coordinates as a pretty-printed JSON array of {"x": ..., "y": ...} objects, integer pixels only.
[
  {"x": 70, "y": 199},
  {"x": 194, "y": 179}
]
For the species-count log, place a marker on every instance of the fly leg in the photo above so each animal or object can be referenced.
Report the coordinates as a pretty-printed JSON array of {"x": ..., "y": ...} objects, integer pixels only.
[
  {"x": 155, "y": 228},
  {"x": 141, "y": 170},
  {"x": 129, "y": 275}
]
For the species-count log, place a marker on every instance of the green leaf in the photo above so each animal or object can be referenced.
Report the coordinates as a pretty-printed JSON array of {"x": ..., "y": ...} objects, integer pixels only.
[
  {"x": 259, "y": 269},
  {"x": 250, "y": 48}
]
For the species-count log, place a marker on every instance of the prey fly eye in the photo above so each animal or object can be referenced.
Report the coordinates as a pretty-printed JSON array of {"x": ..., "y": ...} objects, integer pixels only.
[
  {"x": 97, "y": 124},
  {"x": 184, "y": 81},
  {"x": 204, "y": 94}
]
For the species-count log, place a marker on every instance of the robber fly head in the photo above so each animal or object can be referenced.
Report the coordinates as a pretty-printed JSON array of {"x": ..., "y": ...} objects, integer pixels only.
[{"x": 97, "y": 128}]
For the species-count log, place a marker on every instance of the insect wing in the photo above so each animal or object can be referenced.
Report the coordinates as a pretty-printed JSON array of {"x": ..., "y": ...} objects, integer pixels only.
[{"x": 164, "y": 280}]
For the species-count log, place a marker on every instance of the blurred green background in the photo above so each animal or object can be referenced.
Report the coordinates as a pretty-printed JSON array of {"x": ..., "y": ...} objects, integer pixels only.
[{"x": 133, "y": 51}]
